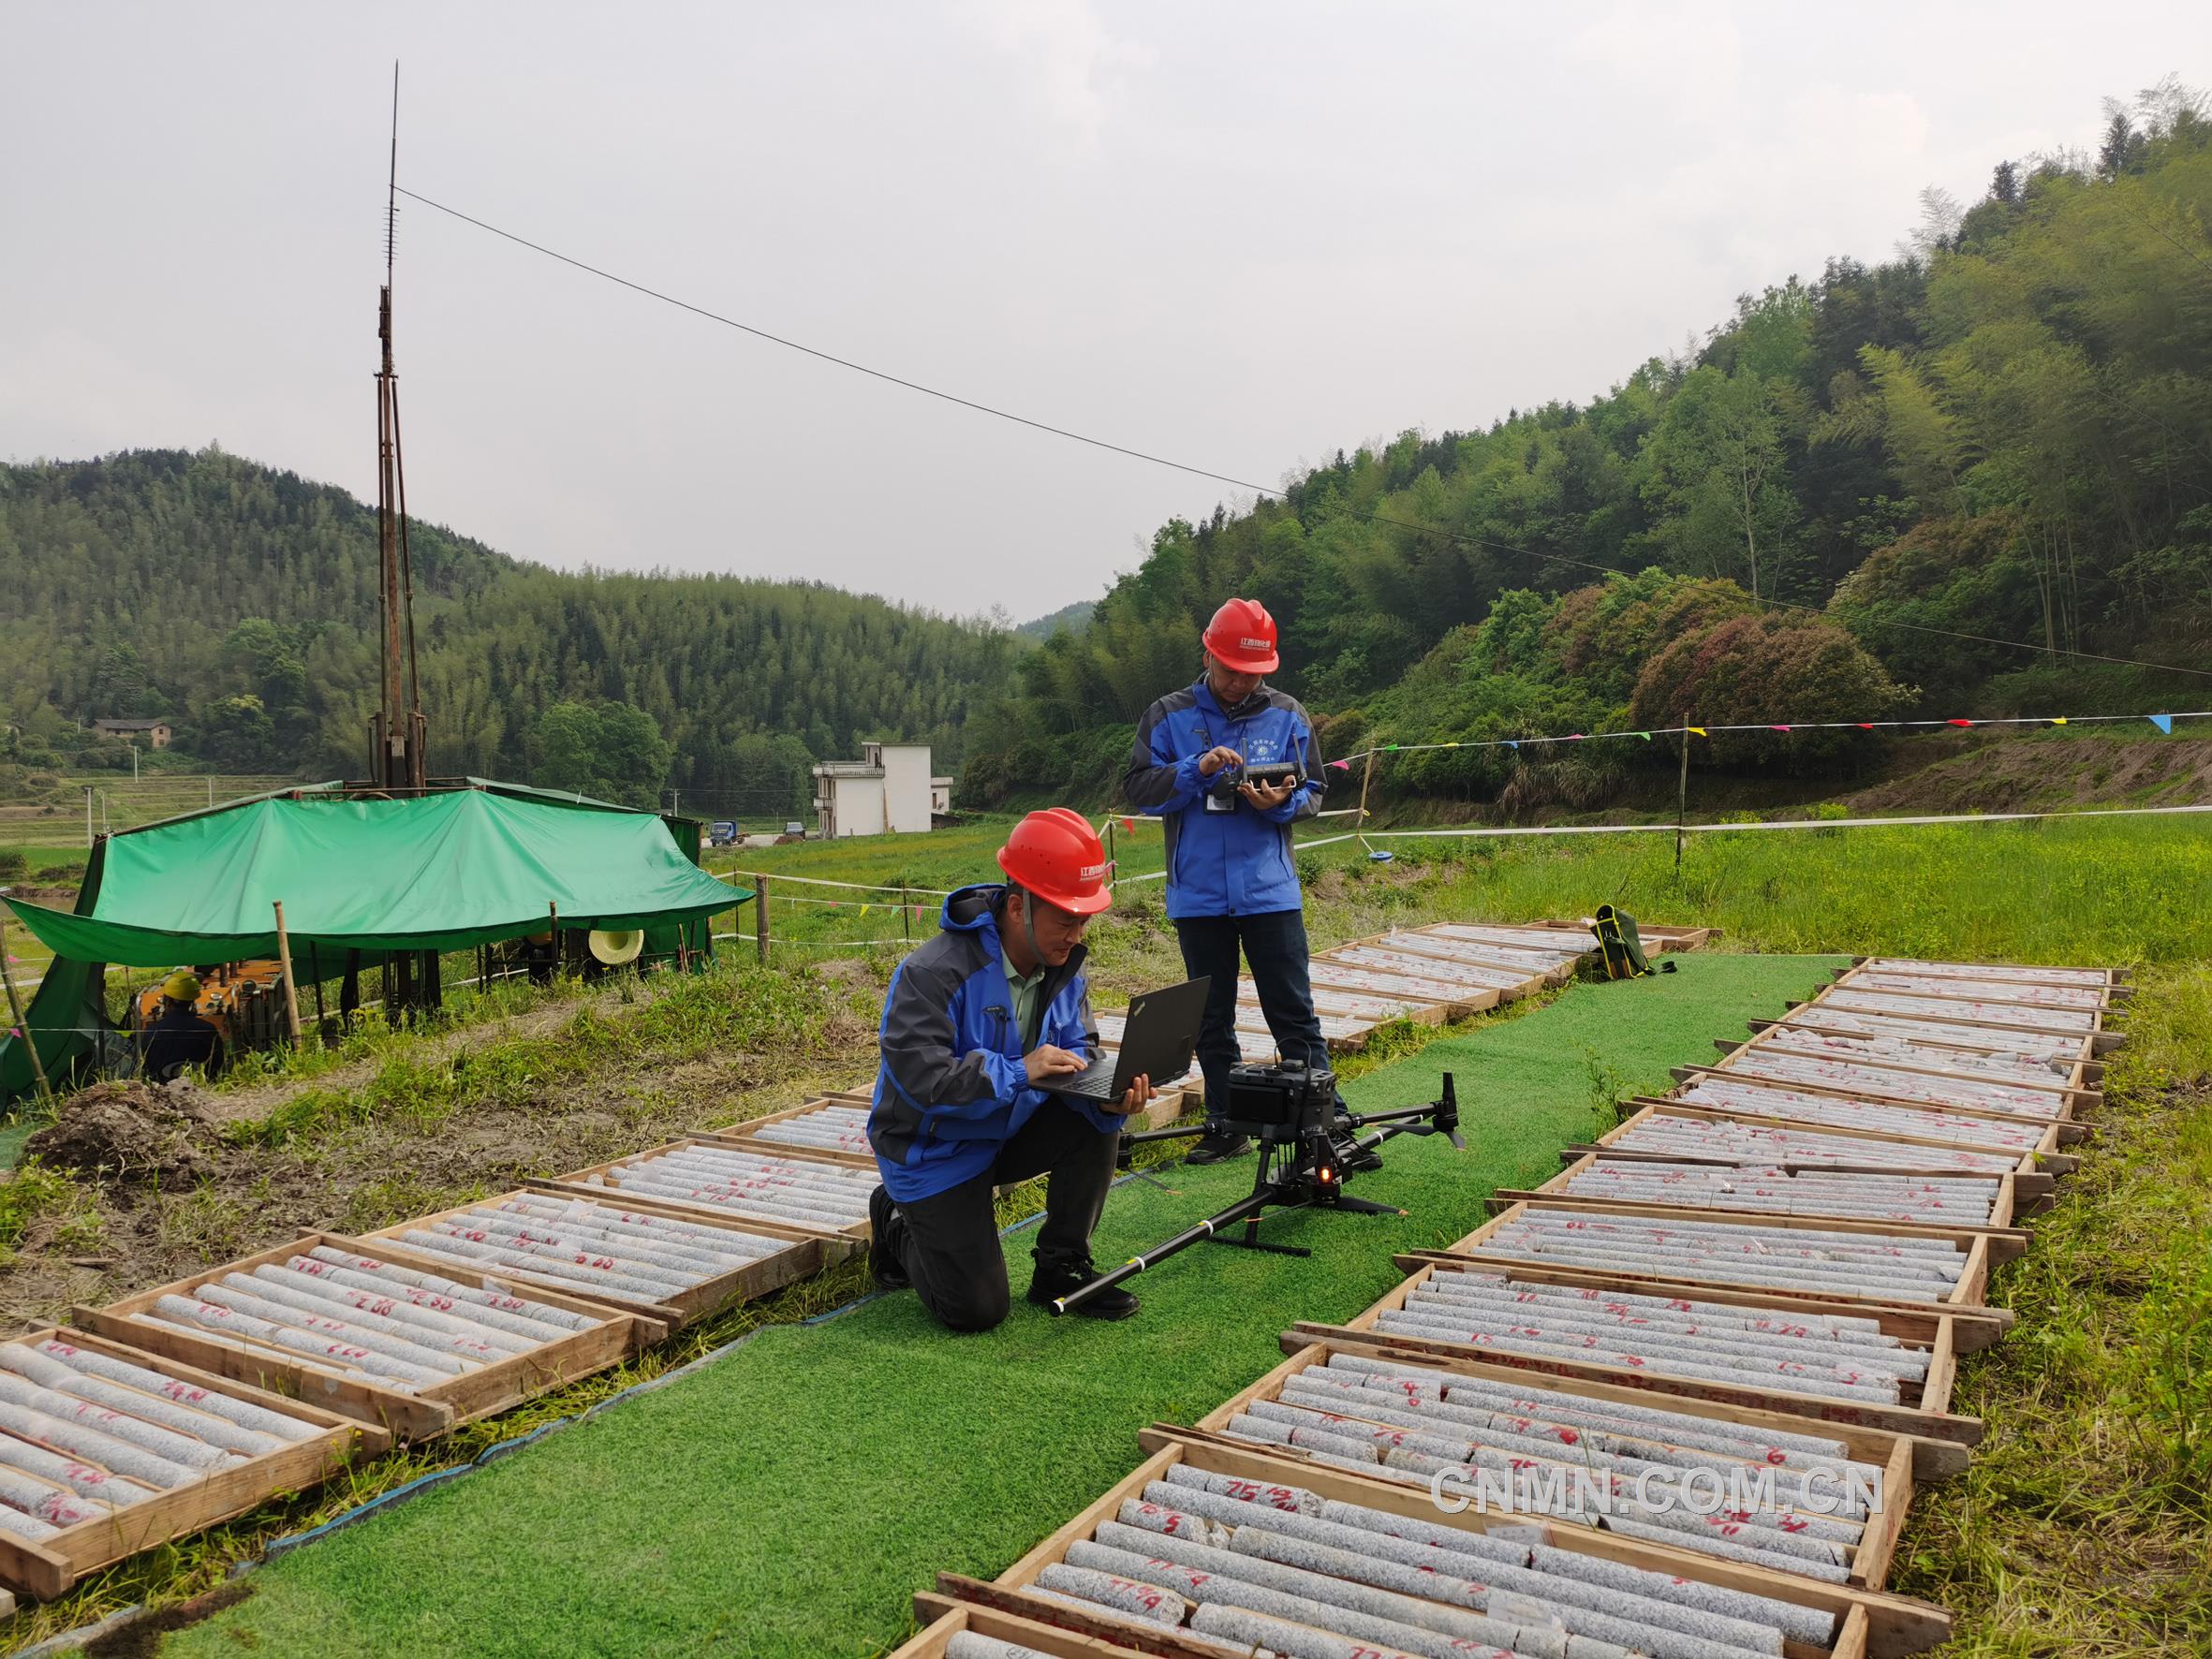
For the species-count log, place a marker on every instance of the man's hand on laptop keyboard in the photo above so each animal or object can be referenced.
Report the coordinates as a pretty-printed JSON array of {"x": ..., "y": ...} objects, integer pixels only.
[{"x": 1044, "y": 1063}]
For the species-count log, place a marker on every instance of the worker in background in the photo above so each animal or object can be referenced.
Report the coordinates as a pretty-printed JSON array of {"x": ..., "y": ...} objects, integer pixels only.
[
  {"x": 179, "y": 1036},
  {"x": 976, "y": 1025},
  {"x": 1229, "y": 765}
]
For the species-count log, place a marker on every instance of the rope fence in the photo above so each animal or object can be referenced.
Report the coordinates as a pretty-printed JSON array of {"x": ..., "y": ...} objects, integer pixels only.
[{"x": 2163, "y": 722}]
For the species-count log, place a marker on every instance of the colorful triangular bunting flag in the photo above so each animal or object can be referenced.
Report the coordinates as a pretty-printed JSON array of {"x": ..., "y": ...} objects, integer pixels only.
[{"x": 2163, "y": 722}]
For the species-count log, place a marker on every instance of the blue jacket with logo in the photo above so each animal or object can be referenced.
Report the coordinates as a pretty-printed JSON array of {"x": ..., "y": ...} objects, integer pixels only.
[
  {"x": 953, "y": 1090},
  {"x": 1233, "y": 864}
]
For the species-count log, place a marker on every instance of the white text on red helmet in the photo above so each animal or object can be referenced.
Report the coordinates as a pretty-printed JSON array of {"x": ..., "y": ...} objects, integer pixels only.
[
  {"x": 1091, "y": 872},
  {"x": 1251, "y": 644}
]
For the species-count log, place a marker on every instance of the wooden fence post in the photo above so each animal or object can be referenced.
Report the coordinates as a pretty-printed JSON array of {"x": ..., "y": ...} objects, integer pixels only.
[
  {"x": 291, "y": 992},
  {"x": 1682, "y": 798},
  {"x": 1366, "y": 776},
  {"x": 15, "y": 1012}
]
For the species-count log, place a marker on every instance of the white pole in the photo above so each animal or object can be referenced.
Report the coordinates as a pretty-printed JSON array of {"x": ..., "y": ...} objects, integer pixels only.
[
  {"x": 88, "y": 816},
  {"x": 134, "y": 763}
]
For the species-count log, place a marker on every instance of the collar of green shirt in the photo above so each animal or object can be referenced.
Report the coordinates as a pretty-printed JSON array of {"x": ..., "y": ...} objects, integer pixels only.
[{"x": 1026, "y": 994}]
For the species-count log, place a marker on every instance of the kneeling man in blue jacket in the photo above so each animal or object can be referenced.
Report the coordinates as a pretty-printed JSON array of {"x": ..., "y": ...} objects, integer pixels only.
[{"x": 975, "y": 1021}]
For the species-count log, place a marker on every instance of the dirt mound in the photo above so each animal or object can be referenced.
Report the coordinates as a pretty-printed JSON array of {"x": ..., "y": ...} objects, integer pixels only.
[
  {"x": 2028, "y": 776},
  {"x": 128, "y": 1132},
  {"x": 855, "y": 972}
]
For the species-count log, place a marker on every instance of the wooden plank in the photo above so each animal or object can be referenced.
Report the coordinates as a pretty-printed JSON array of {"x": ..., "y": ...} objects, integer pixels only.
[
  {"x": 2030, "y": 1184},
  {"x": 1940, "y": 1127},
  {"x": 1897, "y": 1455},
  {"x": 1897, "y": 1624},
  {"x": 1876, "y": 1059},
  {"x": 1103, "y": 1630},
  {"x": 1354, "y": 1005},
  {"x": 2038, "y": 1016},
  {"x": 1962, "y": 1300},
  {"x": 746, "y": 1132},
  {"x": 1918, "y": 1062},
  {"x": 2043, "y": 1146},
  {"x": 1430, "y": 954},
  {"x": 577, "y": 1182},
  {"x": 1883, "y": 1085},
  {"x": 48, "y": 1567},
  {"x": 421, "y": 1415},
  {"x": 964, "y": 1605},
  {"x": 1921, "y": 1412},
  {"x": 1458, "y": 1001},
  {"x": 1889, "y": 983},
  {"x": 803, "y": 1255},
  {"x": 2007, "y": 1242},
  {"x": 2016, "y": 973},
  {"x": 2068, "y": 1130},
  {"x": 1459, "y": 961},
  {"x": 1950, "y": 1011},
  {"x": 1924, "y": 1034}
]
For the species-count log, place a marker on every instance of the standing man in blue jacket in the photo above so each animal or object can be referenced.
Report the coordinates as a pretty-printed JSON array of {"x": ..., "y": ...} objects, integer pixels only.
[
  {"x": 1229, "y": 765},
  {"x": 976, "y": 1025}
]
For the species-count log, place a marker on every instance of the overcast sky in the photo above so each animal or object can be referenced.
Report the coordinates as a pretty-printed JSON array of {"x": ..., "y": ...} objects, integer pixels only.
[{"x": 1237, "y": 235}]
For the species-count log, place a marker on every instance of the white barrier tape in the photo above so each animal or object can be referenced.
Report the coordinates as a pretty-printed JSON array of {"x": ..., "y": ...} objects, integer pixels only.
[
  {"x": 2117, "y": 811},
  {"x": 815, "y": 881}
]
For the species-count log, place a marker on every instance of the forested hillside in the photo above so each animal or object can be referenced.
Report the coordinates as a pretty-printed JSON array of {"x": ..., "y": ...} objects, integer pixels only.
[
  {"x": 2005, "y": 431},
  {"x": 241, "y": 603}
]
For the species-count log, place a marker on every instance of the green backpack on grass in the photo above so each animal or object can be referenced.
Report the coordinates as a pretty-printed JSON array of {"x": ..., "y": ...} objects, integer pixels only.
[{"x": 1617, "y": 939}]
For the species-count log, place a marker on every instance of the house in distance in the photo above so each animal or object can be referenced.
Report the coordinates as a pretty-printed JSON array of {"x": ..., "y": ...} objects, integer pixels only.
[
  {"x": 888, "y": 791},
  {"x": 154, "y": 734}
]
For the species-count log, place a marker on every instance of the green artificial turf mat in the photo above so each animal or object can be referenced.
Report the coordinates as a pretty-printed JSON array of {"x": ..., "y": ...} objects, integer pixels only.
[{"x": 791, "y": 1497}]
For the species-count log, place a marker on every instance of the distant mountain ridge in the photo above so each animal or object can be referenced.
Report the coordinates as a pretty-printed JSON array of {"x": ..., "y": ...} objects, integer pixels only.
[
  {"x": 240, "y": 601},
  {"x": 1069, "y": 618}
]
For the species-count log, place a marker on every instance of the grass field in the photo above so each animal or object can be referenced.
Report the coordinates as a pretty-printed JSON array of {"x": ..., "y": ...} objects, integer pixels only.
[
  {"x": 2121, "y": 891},
  {"x": 789, "y": 1499},
  {"x": 2080, "y": 1527}
]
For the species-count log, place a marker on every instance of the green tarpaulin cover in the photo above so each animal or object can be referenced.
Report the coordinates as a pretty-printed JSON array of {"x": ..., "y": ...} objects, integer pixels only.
[{"x": 442, "y": 871}]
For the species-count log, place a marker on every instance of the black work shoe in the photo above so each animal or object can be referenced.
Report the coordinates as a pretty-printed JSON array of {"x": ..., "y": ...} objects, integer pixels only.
[
  {"x": 883, "y": 1257},
  {"x": 1219, "y": 1149},
  {"x": 1057, "y": 1278}
]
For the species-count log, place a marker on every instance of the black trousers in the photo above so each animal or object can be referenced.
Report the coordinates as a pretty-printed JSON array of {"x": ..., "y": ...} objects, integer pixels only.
[
  {"x": 1274, "y": 944},
  {"x": 949, "y": 1242}
]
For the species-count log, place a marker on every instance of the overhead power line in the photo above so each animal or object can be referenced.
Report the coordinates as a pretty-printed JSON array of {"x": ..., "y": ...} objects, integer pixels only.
[{"x": 1275, "y": 491}]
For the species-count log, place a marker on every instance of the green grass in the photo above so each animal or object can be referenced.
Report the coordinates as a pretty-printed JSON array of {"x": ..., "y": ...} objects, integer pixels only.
[
  {"x": 789, "y": 1498},
  {"x": 2122, "y": 891},
  {"x": 2037, "y": 1538},
  {"x": 2082, "y": 1524}
]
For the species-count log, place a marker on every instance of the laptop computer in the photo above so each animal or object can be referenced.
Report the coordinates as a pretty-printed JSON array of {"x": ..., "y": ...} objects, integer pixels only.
[{"x": 1158, "y": 1041}]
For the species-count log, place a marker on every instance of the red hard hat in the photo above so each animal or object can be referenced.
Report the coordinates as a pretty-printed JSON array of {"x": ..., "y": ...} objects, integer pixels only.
[
  {"x": 1054, "y": 855},
  {"x": 1242, "y": 634}
]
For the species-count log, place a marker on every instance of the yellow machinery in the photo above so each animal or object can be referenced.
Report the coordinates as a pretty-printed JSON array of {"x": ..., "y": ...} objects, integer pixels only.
[{"x": 243, "y": 1001}]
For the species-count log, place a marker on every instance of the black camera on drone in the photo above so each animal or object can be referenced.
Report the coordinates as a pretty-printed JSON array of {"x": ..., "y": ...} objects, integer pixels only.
[{"x": 1281, "y": 1102}]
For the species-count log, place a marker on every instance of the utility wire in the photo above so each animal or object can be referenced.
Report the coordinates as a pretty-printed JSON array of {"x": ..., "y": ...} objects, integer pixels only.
[
  {"x": 1268, "y": 490},
  {"x": 732, "y": 322}
]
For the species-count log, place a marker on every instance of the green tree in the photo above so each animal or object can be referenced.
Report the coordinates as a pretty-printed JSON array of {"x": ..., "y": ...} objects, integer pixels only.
[
  {"x": 1714, "y": 473},
  {"x": 236, "y": 733},
  {"x": 609, "y": 750}
]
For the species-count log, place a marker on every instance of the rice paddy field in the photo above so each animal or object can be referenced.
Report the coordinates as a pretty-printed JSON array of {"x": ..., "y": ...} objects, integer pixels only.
[{"x": 788, "y": 1496}]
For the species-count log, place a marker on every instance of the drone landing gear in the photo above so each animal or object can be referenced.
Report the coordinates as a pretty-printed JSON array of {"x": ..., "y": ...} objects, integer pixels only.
[{"x": 1285, "y": 1182}]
